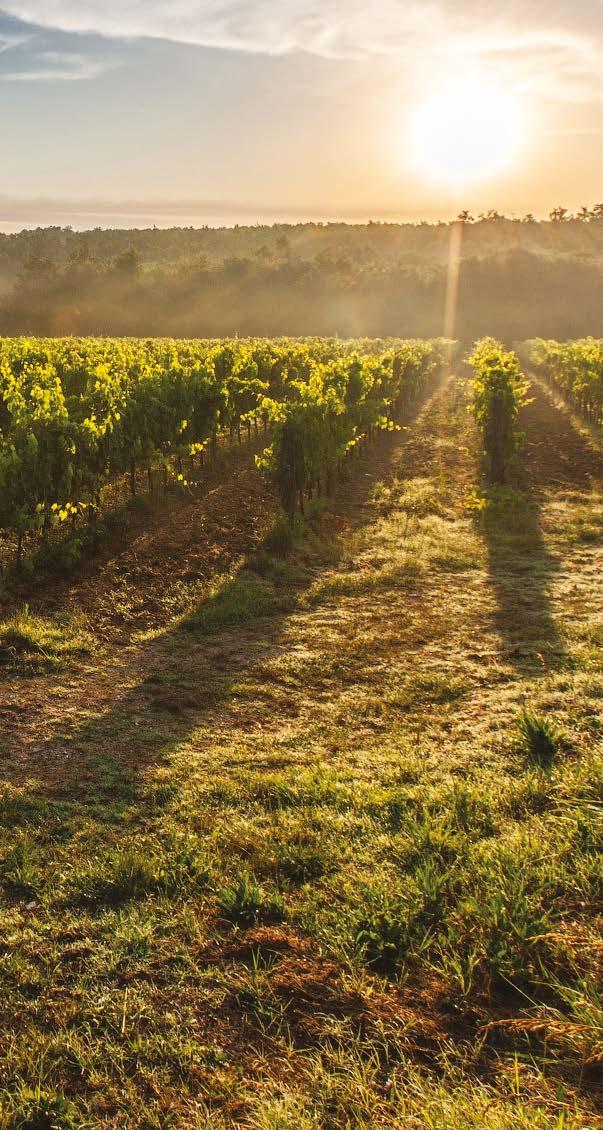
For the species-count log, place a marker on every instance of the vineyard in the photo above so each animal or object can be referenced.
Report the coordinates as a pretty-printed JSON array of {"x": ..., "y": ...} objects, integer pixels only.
[
  {"x": 74, "y": 414},
  {"x": 300, "y": 756}
]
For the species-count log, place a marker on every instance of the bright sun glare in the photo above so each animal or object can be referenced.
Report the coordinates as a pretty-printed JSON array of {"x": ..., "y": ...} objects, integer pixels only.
[{"x": 467, "y": 131}]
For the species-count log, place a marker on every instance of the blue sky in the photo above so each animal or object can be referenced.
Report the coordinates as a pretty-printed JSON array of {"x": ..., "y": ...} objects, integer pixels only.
[{"x": 224, "y": 110}]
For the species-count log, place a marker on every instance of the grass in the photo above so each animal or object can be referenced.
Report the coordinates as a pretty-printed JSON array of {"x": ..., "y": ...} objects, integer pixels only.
[
  {"x": 43, "y": 1110},
  {"x": 30, "y": 643},
  {"x": 244, "y": 902},
  {"x": 239, "y": 600},
  {"x": 333, "y": 858},
  {"x": 122, "y": 874},
  {"x": 20, "y": 868}
]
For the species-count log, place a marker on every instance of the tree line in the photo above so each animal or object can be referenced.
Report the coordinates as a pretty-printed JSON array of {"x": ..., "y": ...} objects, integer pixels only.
[{"x": 373, "y": 280}]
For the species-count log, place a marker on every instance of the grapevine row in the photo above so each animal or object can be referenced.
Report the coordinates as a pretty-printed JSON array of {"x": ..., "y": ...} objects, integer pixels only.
[
  {"x": 75, "y": 413},
  {"x": 337, "y": 408},
  {"x": 499, "y": 390},
  {"x": 575, "y": 368}
]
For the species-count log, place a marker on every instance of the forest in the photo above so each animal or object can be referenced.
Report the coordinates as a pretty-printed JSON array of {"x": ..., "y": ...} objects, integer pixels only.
[{"x": 333, "y": 279}]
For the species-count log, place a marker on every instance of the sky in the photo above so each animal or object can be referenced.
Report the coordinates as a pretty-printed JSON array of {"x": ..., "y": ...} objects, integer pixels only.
[{"x": 134, "y": 112}]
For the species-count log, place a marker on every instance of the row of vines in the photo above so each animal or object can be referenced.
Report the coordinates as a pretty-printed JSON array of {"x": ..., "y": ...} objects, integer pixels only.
[
  {"x": 77, "y": 413},
  {"x": 575, "y": 368},
  {"x": 499, "y": 391},
  {"x": 338, "y": 407}
]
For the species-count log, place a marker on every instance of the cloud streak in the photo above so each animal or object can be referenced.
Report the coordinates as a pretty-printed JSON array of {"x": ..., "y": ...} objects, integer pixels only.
[
  {"x": 322, "y": 27},
  {"x": 542, "y": 37}
]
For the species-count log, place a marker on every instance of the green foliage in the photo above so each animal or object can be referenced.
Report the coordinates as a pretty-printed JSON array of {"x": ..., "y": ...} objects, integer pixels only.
[
  {"x": 75, "y": 413},
  {"x": 499, "y": 390},
  {"x": 576, "y": 368},
  {"x": 335, "y": 408}
]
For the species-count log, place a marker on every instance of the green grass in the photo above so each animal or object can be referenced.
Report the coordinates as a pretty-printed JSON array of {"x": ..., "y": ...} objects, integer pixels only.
[
  {"x": 30, "y": 643},
  {"x": 334, "y": 859},
  {"x": 240, "y": 600},
  {"x": 243, "y": 902}
]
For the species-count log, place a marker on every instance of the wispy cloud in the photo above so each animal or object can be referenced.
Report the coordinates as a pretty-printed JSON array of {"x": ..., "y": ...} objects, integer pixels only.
[
  {"x": 9, "y": 41},
  {"x": 329, "y": 27},
  {"x": 540, "y": 34}
]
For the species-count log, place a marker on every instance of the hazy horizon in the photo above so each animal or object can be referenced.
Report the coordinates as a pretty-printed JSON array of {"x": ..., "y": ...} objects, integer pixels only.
[{"x": 27, "y": 215}]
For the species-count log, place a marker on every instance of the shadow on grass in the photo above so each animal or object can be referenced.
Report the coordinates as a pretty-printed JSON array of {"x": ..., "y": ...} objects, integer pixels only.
[
  {"x": 187, "y": 678},
  {"x": 555, "y": 460},
  {"x": 521, "y": 569},
  {"x": 77, "y": 555}
]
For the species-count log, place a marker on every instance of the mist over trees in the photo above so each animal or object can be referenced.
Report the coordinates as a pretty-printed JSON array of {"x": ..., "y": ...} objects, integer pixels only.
[{"x": 518, "y": 279}]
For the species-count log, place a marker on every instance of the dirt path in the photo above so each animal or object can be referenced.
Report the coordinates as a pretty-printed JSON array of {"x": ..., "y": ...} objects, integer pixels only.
[{"x": 557, "y": 454}]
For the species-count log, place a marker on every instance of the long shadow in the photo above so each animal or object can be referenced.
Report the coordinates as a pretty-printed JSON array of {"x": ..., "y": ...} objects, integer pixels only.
[
  {"x": 189, "y": 677},
  {"x": 521, "y": 570},
  {"x": 555, "y": 460}
]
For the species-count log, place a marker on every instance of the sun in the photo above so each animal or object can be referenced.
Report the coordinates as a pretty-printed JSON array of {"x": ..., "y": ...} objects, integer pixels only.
[{"x": 469, "y": 130}]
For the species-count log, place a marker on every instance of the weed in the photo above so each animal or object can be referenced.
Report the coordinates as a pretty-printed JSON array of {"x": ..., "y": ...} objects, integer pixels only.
[
  {"x": 184, "y": 867},
  {"x": 538, "y": 737},
  {"x": 18, "y": 807},
  {"x": 280, "y": 538},
  {"x": 161, "y": 794},
  {"x": 384, "y": 937},
  {"x": 130, "y": 875},
  {"x": 30, "y": 643},
  {"x": 400, "y": 929},
  {"x": 310, "y": 787},
  {"x": 176, "y": 868},
  {"x": 62, "y": 556},
  {"x": 301, "y": 858},
  {"x": 243, "y": 902},
  {"x": 239, "y": 600}
]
